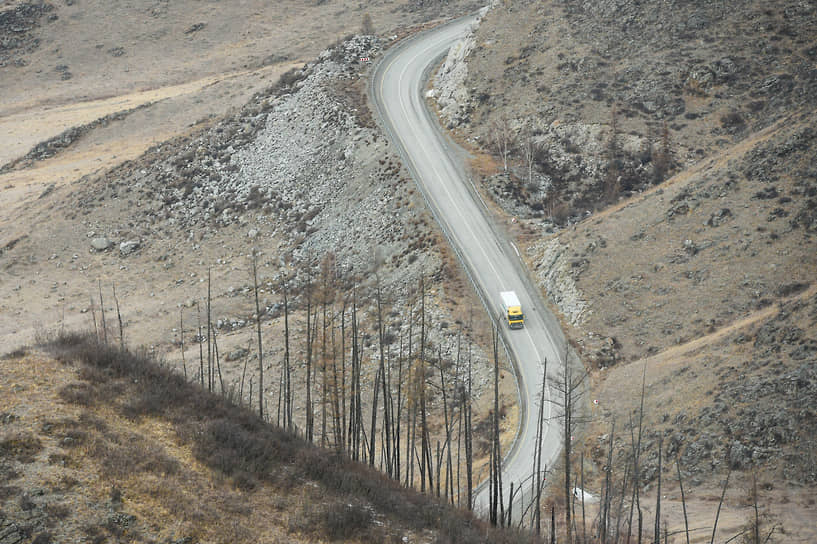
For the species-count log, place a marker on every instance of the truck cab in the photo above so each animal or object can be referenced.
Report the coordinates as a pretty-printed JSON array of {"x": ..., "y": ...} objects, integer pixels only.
[{"x": 512, "y": 310}]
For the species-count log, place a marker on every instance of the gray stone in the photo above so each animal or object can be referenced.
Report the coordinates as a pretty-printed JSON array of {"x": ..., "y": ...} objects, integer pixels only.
[
  {"x": 100, "y": 244},
  {"x": 128, "y": 247},
  {"x": 237, "y": 354}
]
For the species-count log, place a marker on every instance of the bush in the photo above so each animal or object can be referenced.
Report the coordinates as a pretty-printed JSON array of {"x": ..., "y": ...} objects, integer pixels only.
[{"x": 21, "y": 448}]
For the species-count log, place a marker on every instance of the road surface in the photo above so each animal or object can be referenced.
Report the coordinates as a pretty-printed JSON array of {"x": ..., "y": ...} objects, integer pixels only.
[{"x": 491, "y": 261}]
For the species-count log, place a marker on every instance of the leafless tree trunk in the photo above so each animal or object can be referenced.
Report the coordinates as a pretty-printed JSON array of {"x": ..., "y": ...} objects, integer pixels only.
[
  {"x": 217, "y": 363},
  {"x": 201, "y": 349},
  {"x": 469, "y": 452},
  {"x": 499, "y": 503},
  {"x": 102, "y": 313},
  {"x": 720, "y": 504},
  {"x": 426, "y": 466},
  {"x": 635, "y": 503},
  {"x": 502, "y": 138},
  {"x": 569, "y": 387},
  {"x": 258, "y": 330},
  {"x": 756, "y": 524},
  {"x": 244, "y": 375},
  {"x": 93, "y": 316},
  {"x": 398, "y": 415},
  {"x": 539, "y": 482},
  {"x": 209, "y": 347},
  {"x": 657, "y": 532},
  {"x": 608, "y": 489},
  {"x": 309, "y": 339},
  {"x": 181, "y": 335},
  {"x": 529, "y": 148},
  {"x": 683, "y": 498},
  {"x": 287, "y": 370}
]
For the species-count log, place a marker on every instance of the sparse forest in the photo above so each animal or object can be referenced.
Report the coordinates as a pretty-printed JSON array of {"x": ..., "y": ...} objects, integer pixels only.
[{"x": 388, "y": 392}]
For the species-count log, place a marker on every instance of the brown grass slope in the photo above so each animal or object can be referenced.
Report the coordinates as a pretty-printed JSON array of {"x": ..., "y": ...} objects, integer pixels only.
[
  {"x": 711, "y": 73},
  {"x": 109, "y": 446},
  {"x": 703, "y": 280},
  {"x": 705, "y": 285}
]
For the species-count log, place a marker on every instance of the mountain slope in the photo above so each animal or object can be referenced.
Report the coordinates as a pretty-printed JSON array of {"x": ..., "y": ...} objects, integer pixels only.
[
  {"x": 660, "y": 175},
  {"x": 105, "y": 445}
]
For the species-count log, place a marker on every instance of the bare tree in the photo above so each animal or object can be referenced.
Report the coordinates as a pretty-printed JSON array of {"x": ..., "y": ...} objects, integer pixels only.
[
  {"x": 102, "y": 311},
  {"x": 720, "y": 504},
  {"x": 181, "y": 336},
  {"x": 209, "y": 347},
  {"x": 683, "y": 498},
  {"x": 258, "y": 330},
  {"x": 367, "y": 26},
  {"x": 529, "y": 148},
  {"x": 469, "y": 452},
  {"x": 286, "y": 373},
  {"x": 502, "y": 138},
  {"x": 538, "y": 479},
  {"x": 569, "y": 387}
]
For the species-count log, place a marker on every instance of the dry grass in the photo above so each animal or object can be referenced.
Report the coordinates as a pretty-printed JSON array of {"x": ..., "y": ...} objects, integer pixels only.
[
  {"x": 163, "y": 459},
  {"x": 483, "y": 164}
]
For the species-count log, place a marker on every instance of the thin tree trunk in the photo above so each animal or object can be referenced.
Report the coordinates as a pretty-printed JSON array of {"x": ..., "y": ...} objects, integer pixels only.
[
  {"x": 258, "y": 330},
  {"x": 373, "y": 427},
  {"x": 287, "y": 372},
  {"x": 102, "y": 313},
  {"x": 498, "y": 454},
  {"x": 201, "y": 349},
  {"x": 683, "y": 498},
  {"x": 181, "y": 335},
  {"x": 756, "y": 527},
  {"x": 324, "y": 385},
  {"x": 720, "y": 503},
  {"x": 657, "y": 532},
  {"x": 121, "y": 329},
  {"x": 469, "y": 453},
  {"x": 244, "y": 375},
  {"x": 217, "y": 363},
  {"x": 93, "y": 316},
  {"x": 425, "y": 447},
  {"x": 539, "y": 437},
  {"x": 209, "y": 347},
  {"x": 309, "y": 414},
  {"x": 636, "y": 459},
  {"x": 608, "y": 487},
  {"x": 584, "y": 522},
  {"x": 399, "y": 414}
]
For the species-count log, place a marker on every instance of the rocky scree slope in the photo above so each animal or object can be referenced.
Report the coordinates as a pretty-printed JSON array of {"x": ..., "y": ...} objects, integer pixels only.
[
  {"x": 304, "y": 163},
  {"x": 16, "y": 25},
  {"x": 683, "y": 80}
]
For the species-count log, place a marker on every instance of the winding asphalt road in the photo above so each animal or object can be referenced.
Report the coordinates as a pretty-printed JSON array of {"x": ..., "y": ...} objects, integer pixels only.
[{"x": 491, "y": 261}]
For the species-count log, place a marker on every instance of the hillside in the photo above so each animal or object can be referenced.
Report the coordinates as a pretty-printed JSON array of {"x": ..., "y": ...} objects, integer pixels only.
[
  {"x": 594, "y": 85},
  {"x": 137, "y": 206},
  {"x": 102, "y": 445},
  {"x": 660, "y": 175}
]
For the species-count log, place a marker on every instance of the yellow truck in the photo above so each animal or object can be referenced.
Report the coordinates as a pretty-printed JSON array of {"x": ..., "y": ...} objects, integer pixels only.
[{"x": 512, "y": 310}]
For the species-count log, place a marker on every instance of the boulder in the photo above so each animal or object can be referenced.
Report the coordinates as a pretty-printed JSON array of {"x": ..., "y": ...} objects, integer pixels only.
[
  {"x": 128, "y": 247},
  {"x": 100, "y": 243}
]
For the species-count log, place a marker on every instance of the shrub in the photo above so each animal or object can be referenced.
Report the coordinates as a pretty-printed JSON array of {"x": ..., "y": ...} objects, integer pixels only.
[{"x": 21, "y": 447}]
